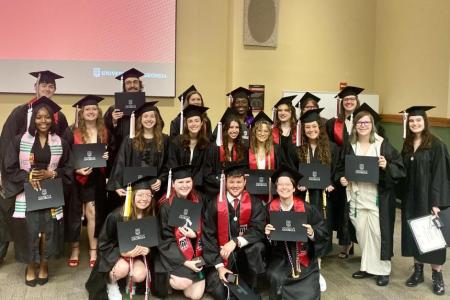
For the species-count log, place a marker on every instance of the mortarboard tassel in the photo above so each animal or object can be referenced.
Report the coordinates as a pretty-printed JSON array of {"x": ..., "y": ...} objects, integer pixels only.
[
  {"x": 219, "y": 134},
  {"x": 307, "y": 196},
  {"x": 132, "y": 125},
  {"x": 338, "y": 102},
  {"x": 181, "y": 115},
  {"x": 128, "y": 201},
  {"x": 270, "y": 190},
  {"x": 405, "y": 120},
  {"x": 273, "y": 114},
  {"x": 30, "y": 106},
  {"x": 222, "y": 186},
  {"x": 298, "y": 134},
  {"x": 324, "y": 201},
  {"x": 76, "y": 116},
  {"x": 230, "y": 100},
  {"x": 169, "y": 184}
]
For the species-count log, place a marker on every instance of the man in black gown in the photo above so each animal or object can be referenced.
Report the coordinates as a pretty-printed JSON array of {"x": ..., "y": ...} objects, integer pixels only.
[{"x": 233, "y": 235}]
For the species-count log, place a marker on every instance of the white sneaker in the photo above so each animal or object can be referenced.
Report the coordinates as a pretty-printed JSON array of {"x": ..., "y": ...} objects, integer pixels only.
[
  {"x": 113, "y": 291},
  {"x": 323, "y": 283}
]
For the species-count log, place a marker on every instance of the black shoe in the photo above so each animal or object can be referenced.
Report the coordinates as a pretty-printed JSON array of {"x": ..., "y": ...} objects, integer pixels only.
[
  {"x": 382, "y": 280},
  {"x": 438, "y": 283},
  {"x": 416, "y": 277},
  {"x": 31, "y": 282},
  {"x": 42, "y": 281},
  {"x": 361, "y": 275}
]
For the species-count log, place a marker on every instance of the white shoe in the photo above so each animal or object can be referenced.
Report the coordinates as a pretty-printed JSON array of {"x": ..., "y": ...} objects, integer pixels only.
[
  {"x": 323, "y": 283},
  {"x": 113, "y": 291}
]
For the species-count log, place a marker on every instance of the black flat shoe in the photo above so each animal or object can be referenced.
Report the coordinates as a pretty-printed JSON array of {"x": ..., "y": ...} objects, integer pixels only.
[
  {"x": 382, "y": 280},
  {"x": 362, "y": 275},
  {"x": 42, "y": 281},
  {"x": 31, "y": 282}
]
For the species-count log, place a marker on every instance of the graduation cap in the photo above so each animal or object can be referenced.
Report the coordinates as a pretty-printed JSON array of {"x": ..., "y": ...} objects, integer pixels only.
[
  {"x": 311, "y": 115},
  {"x": 147, "y": 106},
  {"x": 183, "y": 96},
  {"x": 46, "y": 102},
  {"x": 261, "y": 117},
  {"x": 349, "y": 91},
  {"x": 179, "y": 172},
  {"x": 416, "y": 110},
  {"x": 306, "y": 97},
  {"x": 130, "y": 73},
  {"x": 139, "y": 184},
  {"x": 287, "y": 171},
  {"x": 194, "y": 111},
  {"x": 240, "y": 92},
  {"x": 235, "y": 169},
  {"x": 285, "y": 100},
  {"x": 366, "y": 107},
  {"x": 45, "y": 76},
  {"x": 88, "y": 100},
  {"x": 142, "y": 183}
]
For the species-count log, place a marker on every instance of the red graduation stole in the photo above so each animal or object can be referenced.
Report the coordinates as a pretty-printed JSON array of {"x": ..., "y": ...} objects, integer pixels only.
[
  {"x": 245, "y": 211},
  {"x": 299, "y": 206},
  {"x": 222, "y": 154},
  {"x": 338, "y": 131},
  {"x": 276, "y": 135},
  {"x": 77, "y": 139},
  {"x": 270, "y": 160},
  {"x": 55, "y": 115}
]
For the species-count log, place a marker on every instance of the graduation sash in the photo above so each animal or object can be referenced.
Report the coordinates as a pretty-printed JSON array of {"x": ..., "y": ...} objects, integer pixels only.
[
  {"x": 245, "y": 211},
  {"x": 299, "y": 206},
  {"x": 276, "y": 135},
  {"x": 338, "y": 131},
  {"x": 222, "y": 156},
  {"x": 78, "y": 139},
  {"x": 270, "y": 160}
]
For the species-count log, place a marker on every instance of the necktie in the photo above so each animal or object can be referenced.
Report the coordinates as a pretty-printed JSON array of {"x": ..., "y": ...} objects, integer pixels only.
[{"x": 235, "y": 203}]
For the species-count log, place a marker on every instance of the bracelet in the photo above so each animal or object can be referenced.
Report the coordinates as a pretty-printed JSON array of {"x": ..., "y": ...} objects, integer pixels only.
[{"x": 53, "y": 174}]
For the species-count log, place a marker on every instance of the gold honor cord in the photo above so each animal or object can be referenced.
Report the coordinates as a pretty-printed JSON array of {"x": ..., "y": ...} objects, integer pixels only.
[
  {"x": 324, "y": 201},
  {"x": 128, "y": 202}
]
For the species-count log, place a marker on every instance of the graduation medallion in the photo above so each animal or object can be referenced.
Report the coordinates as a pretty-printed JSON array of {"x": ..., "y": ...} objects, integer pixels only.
[
  {"x": 412, "y": 158},
  {"x": 235, "y": 219}
]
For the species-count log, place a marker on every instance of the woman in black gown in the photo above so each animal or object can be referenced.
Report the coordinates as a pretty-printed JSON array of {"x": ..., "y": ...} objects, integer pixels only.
[
  {"x": 424, "y": 190},
  {"x": 293, "y": 271},
  {"x": 37, "y": 155}
]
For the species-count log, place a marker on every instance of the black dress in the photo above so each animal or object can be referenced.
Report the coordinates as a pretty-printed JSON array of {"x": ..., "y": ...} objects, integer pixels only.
[
  {"x": 426, "y": 185},
  {"x": 248, "y": 261},
  {"x": 279, "y": 271},
  {"x": 25, "y": 231}
]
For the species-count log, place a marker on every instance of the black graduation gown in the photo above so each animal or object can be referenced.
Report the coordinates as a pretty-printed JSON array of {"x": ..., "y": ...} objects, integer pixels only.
[
  {"x": 426, "y": 185},
  {"x": 172, "y": 258},
  {"x": 213, "y": 169},
  {"x": 13, "y": 182},
  {"x": 73, "y": 209},
  {"x": 279, "y": 270},
  {"x": 315, "y": 195},
  {"x": 175, "y": 127},
  {"x": 388, "y": 179},
  {"x": 248, "y": 261},
  {"x": 179, "y": 156},
  {"x": 123, "y": 125}
]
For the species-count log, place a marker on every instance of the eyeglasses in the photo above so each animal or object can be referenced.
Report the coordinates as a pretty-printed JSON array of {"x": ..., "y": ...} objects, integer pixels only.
[
  {"x": 349, "y": 99},
  {"x": 363, "y": 123}
]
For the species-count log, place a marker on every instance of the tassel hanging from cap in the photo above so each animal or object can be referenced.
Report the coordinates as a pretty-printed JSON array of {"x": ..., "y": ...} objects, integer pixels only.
[
  {"x": 181, "y": 115},
  {"x": 230, "y": 100},
  {"x": 338, "y": 106},
  {"x": 219, "y": 134},
  {"x": 307, "y": 196},
  {"x": 298, "y": 134},
  {"x": 169, "y": 184},
  {"x": 222, "y": 187},
  {"x": 274, "y": 111},
  {"x": 270, "y": 190},
  {"x": 29, "y": 113},
  {"x": 405, "y": 121},
  {"x": 76, "y": 116},
  {"x": 128, "y": 202},
  {"x": 132, "y": 125}
]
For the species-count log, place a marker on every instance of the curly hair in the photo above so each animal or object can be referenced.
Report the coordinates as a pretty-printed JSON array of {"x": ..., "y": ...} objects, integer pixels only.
[
  {"x": 322, "y": 149},
  {"x": 254, "y": 142},
  {"x": 139, "y": 140},
  {"x": 99, "y": 124},
  {"x": 426, "y": 138},
  {"x": 292, "y": 120},
  {"x": 237, "y": 142}
]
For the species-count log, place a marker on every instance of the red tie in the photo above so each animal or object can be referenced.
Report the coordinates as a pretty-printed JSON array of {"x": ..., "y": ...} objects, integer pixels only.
[{"x": 235, "y": 203}]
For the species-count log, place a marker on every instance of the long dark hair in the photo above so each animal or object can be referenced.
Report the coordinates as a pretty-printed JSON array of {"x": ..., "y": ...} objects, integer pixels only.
[
  {"x": 238, "y": 146},
  {"x": 426, "y": 137},
  {"x": 323, "y": 146},
  {"x": 202, "y": 138},
  {"x": 292, "y": 121},
  {"x": 139, "y": 140},
  {"x": 32, "y": 129}
]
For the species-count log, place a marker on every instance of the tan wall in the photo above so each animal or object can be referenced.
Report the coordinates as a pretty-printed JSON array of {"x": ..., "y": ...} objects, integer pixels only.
[
  {"x": 399, "y": 49},
  {"x": 413, "y": 54}
]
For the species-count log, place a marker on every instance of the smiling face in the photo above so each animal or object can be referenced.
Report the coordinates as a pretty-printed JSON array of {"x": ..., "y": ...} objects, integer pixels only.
[
  {"x": 43, "y": 120},
  {"x": 364, "y": 126},
  {"x": 142, "y": 198},
  {"x": 285, "y": 188},
  {"x": 233, "y": 130},
  {"x": 194, "y": 124},
  {"x": 132, "y": 84},
  {"x": 235, "y": 185},
  {"x": 262, "y": 132},
  {"x": 241, "y": 106},
  {"x": 284, "y": 113},
  {"x": 45, "y": 89},
  {"x": 183, "y": 186},
  {"x": 312, "y": 130},
  {"x": 416, "y": 124},
  {"x": 90, "y": 112},
  {"x": 349, "y": 103},
  {"x": 195, "y": 99},
  {"x": 148, "y": 119}
]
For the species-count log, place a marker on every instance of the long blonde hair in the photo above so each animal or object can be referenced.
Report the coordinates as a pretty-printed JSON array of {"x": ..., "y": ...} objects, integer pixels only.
[
  {"x": 254, "y": 142},
  {"x": 100, "y": 124}
]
